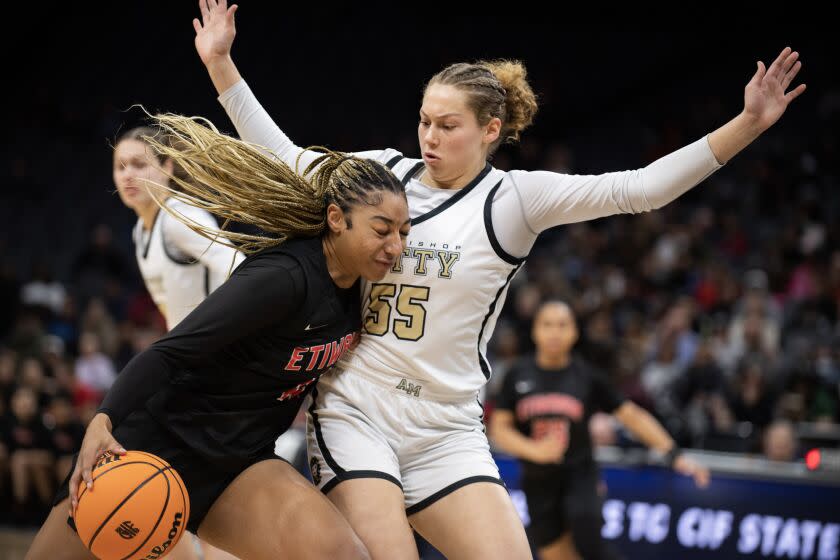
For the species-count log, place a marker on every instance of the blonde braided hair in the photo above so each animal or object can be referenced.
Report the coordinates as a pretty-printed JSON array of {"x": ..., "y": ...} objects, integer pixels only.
[{"x": 238, "y": 181}]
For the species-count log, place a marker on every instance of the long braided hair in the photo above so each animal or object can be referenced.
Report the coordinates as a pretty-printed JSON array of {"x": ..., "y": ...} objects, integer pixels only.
[{"x": 241, "y": 182}]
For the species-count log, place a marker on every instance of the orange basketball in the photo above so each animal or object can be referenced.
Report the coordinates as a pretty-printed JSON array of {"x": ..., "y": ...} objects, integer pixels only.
[{"x": 138, "y": 508}]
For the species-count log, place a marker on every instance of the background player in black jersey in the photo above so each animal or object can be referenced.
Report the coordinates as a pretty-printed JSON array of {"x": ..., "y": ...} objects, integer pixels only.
[
  {"x": 212, "y": 396},
  {"x": 542, "y": 417}
]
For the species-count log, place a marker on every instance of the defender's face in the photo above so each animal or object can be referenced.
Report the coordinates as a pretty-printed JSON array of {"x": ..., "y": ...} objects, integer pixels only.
[{"x": 450, "y": 137}]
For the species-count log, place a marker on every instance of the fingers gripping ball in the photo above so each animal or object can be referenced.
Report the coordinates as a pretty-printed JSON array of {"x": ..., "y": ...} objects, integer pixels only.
[{"x": 138, "y": 508}]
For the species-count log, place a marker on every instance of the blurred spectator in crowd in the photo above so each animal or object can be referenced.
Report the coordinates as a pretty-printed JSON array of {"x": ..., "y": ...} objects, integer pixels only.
[
  {"x": 66, "y": 433},
  {"x": 28, "y": 444},
  {"x": 780, "y": 442},
  {"x": 94, "y": 370},
  {"x": 98, "y": 263},
  {"x": 32, "y": 376},
  {"x": 97, "y": 320},
  {"x": 752, "y": 398},
  {"x": 43, "y": 293}
]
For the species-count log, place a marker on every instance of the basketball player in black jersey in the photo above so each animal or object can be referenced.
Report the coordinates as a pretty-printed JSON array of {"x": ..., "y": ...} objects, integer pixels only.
[
  {"x": 542, "y": 417},
  {"x": 213, "y": 395}
]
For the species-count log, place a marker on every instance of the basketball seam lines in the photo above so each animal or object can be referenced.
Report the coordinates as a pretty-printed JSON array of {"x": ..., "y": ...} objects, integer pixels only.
[
  {"x": 116, "y": 509},
  {"x": 160, "y": 517},
  {"x": 181, "y": 485}
]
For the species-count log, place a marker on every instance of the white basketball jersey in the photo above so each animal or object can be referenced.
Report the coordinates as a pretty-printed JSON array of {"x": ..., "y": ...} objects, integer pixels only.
[
  {"x": 177, "y": 282},
  {"x": 427, "y": 323}
]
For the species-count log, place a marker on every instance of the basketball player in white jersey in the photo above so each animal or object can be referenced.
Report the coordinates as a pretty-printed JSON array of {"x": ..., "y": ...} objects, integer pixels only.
[
  {"x": 395, "y": 434},
  {"x": 179, "y": 267}
]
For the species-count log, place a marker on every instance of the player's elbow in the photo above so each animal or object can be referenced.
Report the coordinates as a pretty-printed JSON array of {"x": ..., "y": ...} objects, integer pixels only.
[{"x": 629, "y": 413}]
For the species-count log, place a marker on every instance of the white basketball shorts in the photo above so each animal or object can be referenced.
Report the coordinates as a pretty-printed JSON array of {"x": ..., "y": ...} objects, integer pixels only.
[{"x": 359, "y": 428}]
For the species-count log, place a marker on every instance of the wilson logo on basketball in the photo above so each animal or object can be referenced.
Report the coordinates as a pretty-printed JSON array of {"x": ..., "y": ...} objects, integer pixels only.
[
  {"x": 160, "y": 549},
  {"x": 127, "y": 530}
]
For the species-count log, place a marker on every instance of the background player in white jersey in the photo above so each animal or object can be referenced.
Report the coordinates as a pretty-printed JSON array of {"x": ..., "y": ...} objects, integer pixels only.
[
  {"x": 179, "y": 267},
  {"x": 396, "y": 438}
]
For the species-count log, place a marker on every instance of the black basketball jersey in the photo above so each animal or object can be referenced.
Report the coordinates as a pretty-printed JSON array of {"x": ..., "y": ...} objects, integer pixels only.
[
  {"x": 557, "y": 403},
  {"x": 231, "y": 376}
]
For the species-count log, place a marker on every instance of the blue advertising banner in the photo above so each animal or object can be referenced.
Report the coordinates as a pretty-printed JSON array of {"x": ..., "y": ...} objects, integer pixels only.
[{"x": 650, "y": 512}]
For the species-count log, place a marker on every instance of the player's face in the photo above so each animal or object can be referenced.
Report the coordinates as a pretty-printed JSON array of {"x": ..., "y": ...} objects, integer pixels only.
[
  {"x": 378, "y": 235},
  {"x": 451, "y": 140},
  {"x": 133, "y": 162},
  {"x": 555, "y": 331}
]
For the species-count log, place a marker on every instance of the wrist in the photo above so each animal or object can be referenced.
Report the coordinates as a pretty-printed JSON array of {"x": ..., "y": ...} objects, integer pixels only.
[
  {"x": 218, "y": 61},
  {"x": 223, "y": 73},
  {"x": 532, "y": 451},
  {"x": 672, "y": 455},
  {"x": 750, "y": 124},
  {"x": 102, "y": 419}
]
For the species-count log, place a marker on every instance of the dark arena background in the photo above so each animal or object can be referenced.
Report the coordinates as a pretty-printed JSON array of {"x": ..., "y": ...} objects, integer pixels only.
[{"x": 719, "y": 313}]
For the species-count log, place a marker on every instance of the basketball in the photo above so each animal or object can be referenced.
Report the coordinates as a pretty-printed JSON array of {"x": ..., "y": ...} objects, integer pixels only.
[{"x": 138, "y": 507}]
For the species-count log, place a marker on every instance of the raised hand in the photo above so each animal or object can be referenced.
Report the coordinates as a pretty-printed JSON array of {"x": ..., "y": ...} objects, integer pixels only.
[
  {"x": 765, "y": 99},
  {"x": 215, "y": 32}
]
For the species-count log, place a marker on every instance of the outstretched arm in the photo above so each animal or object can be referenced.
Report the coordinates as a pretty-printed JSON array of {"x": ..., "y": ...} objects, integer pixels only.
[
  {"x": 551, "y": 199},
  {"x": 214, "y": 35},
  {"x": 650, "y": 432}
]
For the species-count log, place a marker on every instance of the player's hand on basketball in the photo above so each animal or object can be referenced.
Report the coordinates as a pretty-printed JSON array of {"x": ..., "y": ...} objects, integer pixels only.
[
  {"x": 97, "y": 441},
  {"x": 698, "y": 472},
  {"x": 548, "y": 450},
  {"x": 215, "y": 32},
  {"x": 765, "y": 99}
]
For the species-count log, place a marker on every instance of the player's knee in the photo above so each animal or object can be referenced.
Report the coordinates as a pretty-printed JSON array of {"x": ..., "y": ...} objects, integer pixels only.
[
  {"x": 341, "y": 545},
  {"x": 56, "y": 540}
]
